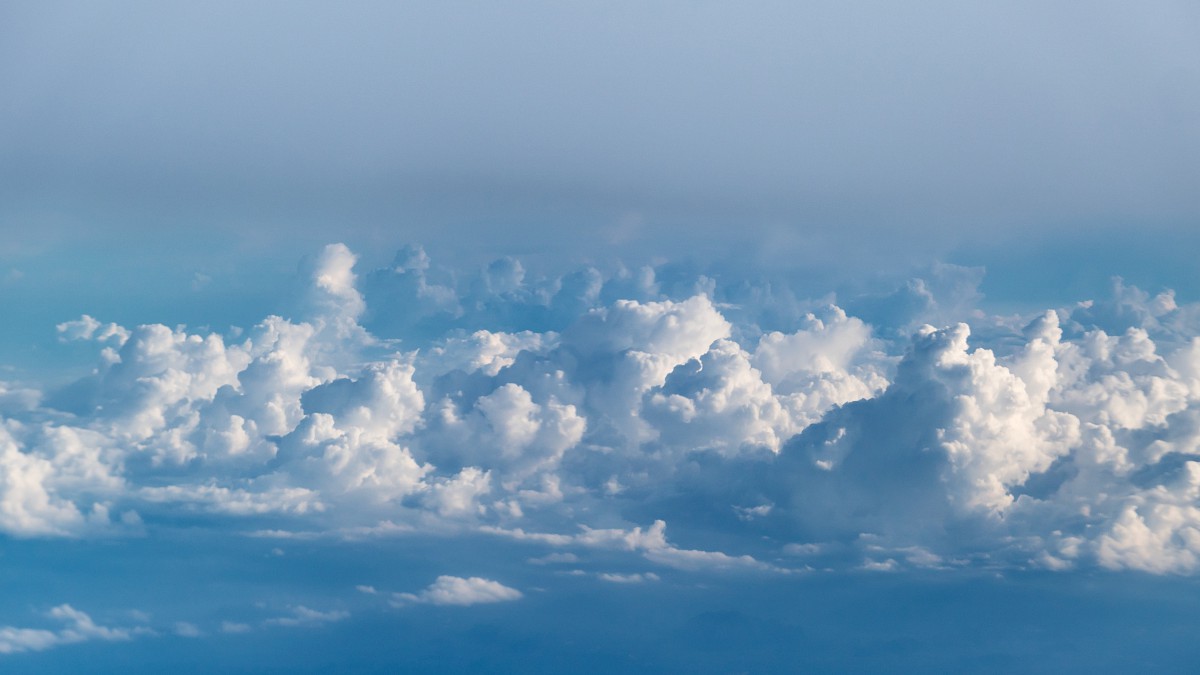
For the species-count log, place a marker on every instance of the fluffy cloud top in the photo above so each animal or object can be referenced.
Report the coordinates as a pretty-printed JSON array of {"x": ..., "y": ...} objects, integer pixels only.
[
  {"x": 594, "y": 408},
  {"x": 450, "y": 590}
]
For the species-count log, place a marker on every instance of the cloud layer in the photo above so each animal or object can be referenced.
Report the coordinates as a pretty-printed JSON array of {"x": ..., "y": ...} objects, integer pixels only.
[{"x": 593, "y": 410}]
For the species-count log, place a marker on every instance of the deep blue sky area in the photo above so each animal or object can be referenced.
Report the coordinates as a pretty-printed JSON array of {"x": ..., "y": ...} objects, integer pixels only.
[
  {"x": 599, "y": 337},
  {"x": 977, "y": 620}
]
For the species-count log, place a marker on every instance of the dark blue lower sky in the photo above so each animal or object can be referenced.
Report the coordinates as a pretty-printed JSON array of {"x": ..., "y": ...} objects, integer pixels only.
[{"x": 966, "y": 621}]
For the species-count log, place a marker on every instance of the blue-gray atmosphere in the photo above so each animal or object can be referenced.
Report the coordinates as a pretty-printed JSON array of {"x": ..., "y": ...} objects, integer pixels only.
[{"x": 599, "y": 337}]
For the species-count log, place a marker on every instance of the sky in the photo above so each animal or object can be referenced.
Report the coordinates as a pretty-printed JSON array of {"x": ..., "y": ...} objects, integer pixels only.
[{"x": 651, "y": 337}]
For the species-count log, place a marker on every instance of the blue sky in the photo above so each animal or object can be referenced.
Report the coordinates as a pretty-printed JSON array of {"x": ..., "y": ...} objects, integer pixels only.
[{"x": 624, "y": 336}]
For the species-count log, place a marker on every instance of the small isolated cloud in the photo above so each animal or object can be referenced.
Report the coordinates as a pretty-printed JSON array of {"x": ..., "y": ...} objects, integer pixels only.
[
  {"x": 303, "y": 616},
  {"x": 749, "y": 513},
  {"x": 555, "y": 559},
  {"x": 200, "y": 280},
  {"x": 616, "y": 578},
  {"x": 803, "y": 549},
  {"x": 234, "y": 627},
  {"x": 888, "y": 565},
  {"x": 76, "y": 627},
  {"x": 450, "y": 590},
  {"x": 185, "y": 629}
]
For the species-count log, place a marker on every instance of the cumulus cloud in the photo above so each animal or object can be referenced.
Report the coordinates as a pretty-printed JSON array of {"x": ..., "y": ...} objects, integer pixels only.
[
  {"x": 414, "y": 398},
  {"x": 451, "y": 590},
  {"x": 54, "y": 480}
]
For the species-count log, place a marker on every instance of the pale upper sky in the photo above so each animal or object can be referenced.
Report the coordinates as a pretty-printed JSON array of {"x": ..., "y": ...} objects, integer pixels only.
[{"x": 570, "y": 127}]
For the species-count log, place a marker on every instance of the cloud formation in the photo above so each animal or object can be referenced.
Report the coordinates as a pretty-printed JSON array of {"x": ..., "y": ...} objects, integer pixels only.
[
  {"x": 587, "y": 411},
  {"x": 76, "y": 627},
  {"x": 451, "y": 590},
  {"x": 303, "y": 616}
]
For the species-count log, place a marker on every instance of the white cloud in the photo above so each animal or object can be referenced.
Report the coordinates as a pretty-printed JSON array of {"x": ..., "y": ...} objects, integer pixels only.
[
  {"x": 218, "y": 499},
  {"x": 718, "y": 401},
  {"x": 303, "y": 616},
  {"x": 460, "y": 495},
  {"x": 887, "y": 565},
  {"x": 88, "y": 328},
  {"x": 38, "y": 483},
  {"x": 528, "y": 405},
  {"x": 484, "y": 351},
  {"x": 617, "y": 578},
  {"x": 650, "y": 542},
  {"x": 507, "y": 432},
  {"x": 555, "y": 559},
  {"x": 76, "y": 627},
  {"x": 451, "y": 590}
]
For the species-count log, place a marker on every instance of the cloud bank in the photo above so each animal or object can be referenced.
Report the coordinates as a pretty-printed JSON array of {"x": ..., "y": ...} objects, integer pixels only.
[{"x": 593, "y": 410}]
